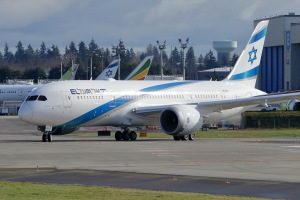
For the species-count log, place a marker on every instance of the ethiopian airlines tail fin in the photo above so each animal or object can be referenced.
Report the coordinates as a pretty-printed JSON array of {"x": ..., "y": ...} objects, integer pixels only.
[
  {"x": 110, "y": 71},
  {"x": 141, "y": 71},
  {"x": 70, "y": 74},
  {"x": 247, "y": 66}
]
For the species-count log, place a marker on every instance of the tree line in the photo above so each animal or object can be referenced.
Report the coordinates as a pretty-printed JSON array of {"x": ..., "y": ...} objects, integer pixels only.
[{"x": 45, "y": 62}]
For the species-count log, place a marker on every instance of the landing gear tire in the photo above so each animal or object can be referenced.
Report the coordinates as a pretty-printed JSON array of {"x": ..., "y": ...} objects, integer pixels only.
[
  {"x": 176, "y": 138},
  {"x": 118, "y": 136},
  {"x": 132, "y": 135},
  {"x": 184, "y": 137},
  {"x": 49, "y": 137},
  {"x": 44, "y": 137},
  {"x": 192, "y": 136},
  {"x": 126, "y": 136}
]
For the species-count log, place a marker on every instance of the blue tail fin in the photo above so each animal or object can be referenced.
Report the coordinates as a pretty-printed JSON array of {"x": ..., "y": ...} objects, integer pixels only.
[
  {"x": 110, "y": 71},
  {"x": 246, "y": 68}
]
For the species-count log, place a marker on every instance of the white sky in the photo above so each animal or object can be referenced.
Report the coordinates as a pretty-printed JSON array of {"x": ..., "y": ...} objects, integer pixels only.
[{"x": 138, "y": 22}]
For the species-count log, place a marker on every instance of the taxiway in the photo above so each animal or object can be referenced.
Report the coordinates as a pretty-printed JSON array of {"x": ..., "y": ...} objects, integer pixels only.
[{"x": 266, "y": 167}]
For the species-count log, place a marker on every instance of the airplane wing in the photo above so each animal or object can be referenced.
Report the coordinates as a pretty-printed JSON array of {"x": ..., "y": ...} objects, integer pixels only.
[{"x": 217, "y": 106}]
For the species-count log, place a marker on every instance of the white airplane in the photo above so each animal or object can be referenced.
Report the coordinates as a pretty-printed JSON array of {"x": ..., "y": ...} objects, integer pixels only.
[
  {"x": 20, "y": 92},
  {"x": 110, "y": 71},
  {"x": 179, "y": 107}
]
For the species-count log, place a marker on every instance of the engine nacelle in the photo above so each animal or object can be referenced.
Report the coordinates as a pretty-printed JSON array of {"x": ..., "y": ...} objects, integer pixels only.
[
  {"x": 180, "y": 120},
  {"x": 293, "y": 105},
  {"x": 59, "y": 131}
]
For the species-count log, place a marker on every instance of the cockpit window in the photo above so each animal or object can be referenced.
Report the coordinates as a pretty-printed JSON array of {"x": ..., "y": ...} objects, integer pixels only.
[
  {"x": 42, "y": 98},
  {"x": 32, "y": 98}
]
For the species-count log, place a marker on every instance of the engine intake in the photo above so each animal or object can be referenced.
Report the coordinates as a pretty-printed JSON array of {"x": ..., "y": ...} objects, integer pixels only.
[
  {"x": 180, "y": 120},
  {"x": 293, "y": 105}
]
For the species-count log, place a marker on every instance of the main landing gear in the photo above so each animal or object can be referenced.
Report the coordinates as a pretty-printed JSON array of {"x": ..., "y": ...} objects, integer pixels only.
[
  {"x": 47, "y": 137},
  {"x": 184, "y": 137},
  {"x": 125, "y": 135}
]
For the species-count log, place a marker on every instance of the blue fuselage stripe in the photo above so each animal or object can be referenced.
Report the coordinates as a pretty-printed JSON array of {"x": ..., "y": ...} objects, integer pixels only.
[{"x": 109, "y": 106}]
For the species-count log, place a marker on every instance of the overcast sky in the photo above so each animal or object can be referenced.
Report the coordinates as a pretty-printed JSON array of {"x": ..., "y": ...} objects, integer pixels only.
[{"x": 138, "y": 22}]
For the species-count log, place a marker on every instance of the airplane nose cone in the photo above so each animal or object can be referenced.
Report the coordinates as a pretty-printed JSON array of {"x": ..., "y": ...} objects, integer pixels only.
[{"x": 25, "y": 113}]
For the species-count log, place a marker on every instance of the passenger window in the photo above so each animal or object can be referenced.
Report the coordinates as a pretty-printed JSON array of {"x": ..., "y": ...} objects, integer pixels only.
[
  {"x": 32, "y": 98},
  {"x": 42, "y": 98}
]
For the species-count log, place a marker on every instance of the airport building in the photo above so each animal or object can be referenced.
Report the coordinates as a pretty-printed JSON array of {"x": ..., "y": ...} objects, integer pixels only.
[
  {"x": 280, "y": 64},
  {"x": 219, "y": 73}
]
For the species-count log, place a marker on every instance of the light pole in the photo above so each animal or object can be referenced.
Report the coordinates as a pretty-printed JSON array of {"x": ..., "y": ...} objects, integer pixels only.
[
  {"x": 61, "y": 71},
  {"x": 183, "y": 46},
  {"x": 161, "y": 48},
  {"x": 101, "y": 63},
  {"x": 117, "y": 50},
  {"x": 91, "y": 67}
]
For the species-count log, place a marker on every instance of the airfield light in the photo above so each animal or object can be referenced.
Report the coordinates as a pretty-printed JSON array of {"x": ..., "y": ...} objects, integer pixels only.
[
  {"x": 161, "y": 48},
  {"x": 183, "y": 46}
]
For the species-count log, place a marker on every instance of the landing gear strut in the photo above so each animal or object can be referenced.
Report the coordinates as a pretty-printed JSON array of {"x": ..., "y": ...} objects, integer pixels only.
[
  {"x": 47, "y": 137},
  {"x": 184, "y": 137},
  {"x": 125, "y": 135}
]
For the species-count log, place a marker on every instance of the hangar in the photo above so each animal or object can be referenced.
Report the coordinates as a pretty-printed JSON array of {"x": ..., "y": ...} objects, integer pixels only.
[{"x": 280, "y": 64}]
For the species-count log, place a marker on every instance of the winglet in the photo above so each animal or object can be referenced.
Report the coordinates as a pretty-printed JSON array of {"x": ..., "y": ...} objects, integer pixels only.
[{"x": 246, "y": 68}]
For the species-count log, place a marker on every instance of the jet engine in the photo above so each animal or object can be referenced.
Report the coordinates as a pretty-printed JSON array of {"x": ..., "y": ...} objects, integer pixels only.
[
  {"x": 180, "y": 120},
  {"x": 293, "y": 105}
]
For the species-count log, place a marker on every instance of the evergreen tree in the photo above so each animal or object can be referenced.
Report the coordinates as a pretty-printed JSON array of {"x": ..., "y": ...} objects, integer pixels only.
[
  {"x": 175, "y": 62},
  {"x": 92, "y": 46},
  {"x": 8, "y": 56},
  {"x": 82, "y": 51},
  {"x": 201, "y": 62},
  {"x": 20, "y": 53},
  {"x": 53, "y": 52},
  {"x": 82, "y": 60},
  {"x": 5, "y": 73},
  {"x": 34, "y": 73},
  {"x": 54, "y": 73},
  {"x": 214, "y": 76},
  {"x": 72, "y": 48},
  {"x": 233, "y": 60},
  {"x": 1, "y": 59},
  {"x": 30, "y": 55},
  {"x": 43, "y": 51},
  {"x": 191, "y": 68},
  {"x": 210, "y": 61}
]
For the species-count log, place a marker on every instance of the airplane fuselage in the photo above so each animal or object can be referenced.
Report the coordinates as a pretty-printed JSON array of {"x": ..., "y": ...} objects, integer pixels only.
[
  {"x": 15, "y": 92},
  {"x": 113, "y": 103}
]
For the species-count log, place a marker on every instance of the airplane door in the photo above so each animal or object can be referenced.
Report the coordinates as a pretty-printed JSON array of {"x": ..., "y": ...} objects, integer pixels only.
[
  {"x": 190, "y": 99},
  {"x": 113, "y": 102},
  {"x": 66, "y": 99},
  {"x": 20, "y": 92}
]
